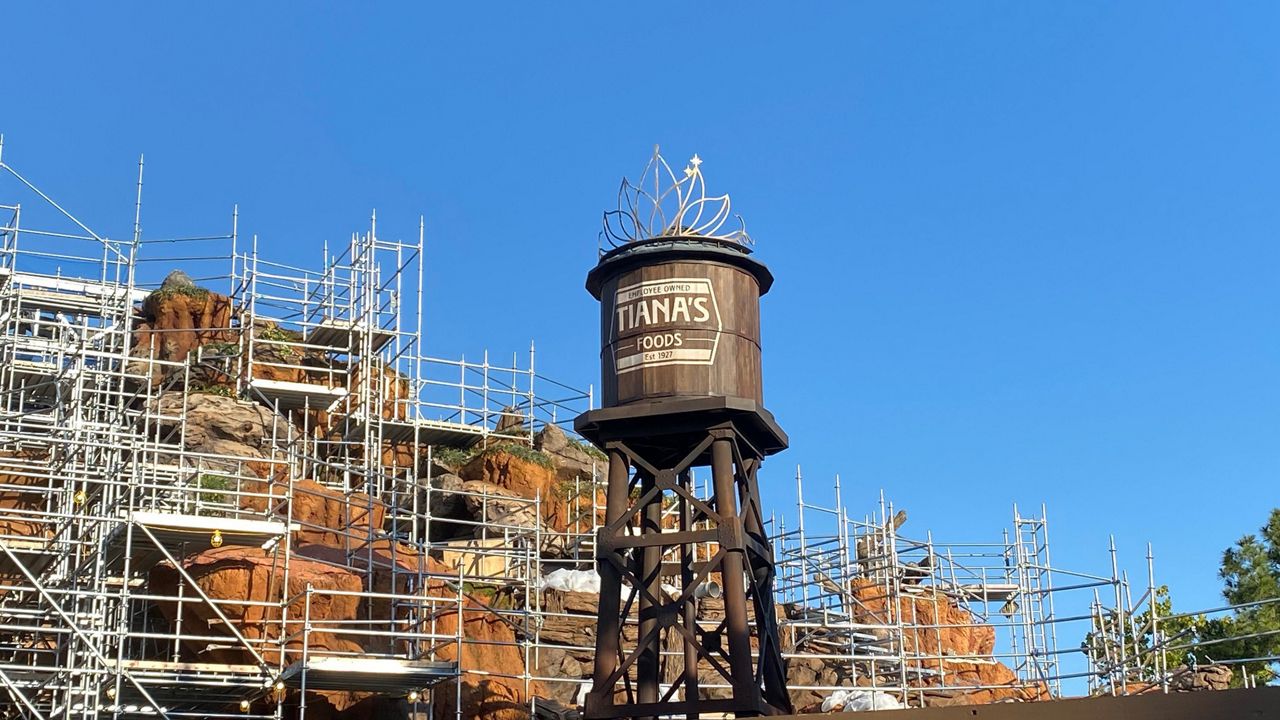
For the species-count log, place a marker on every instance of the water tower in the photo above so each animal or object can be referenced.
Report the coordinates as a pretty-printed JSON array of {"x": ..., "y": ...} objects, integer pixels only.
[{"x": 680, "y": 359}]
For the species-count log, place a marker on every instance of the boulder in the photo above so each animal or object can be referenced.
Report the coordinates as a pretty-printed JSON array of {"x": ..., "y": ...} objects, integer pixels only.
[
  {"x": 498, "y": 507},
  {"x": 558, "y": 664},
  {"x": 178, "y": 280},
  {"x": 1207, "y": 677},
  {"x": 444, "y": 500},
  {"x": 570, "y": 458},
  {"x": 937, "y": 624},
  {"x": 328, "y": 517},
  {"x": 180, "y": 317},
  {"x": 500, "y": 467},
  {"x": 218, "y": 425},
  {"x": 320, "y": 707},
  {"x": 568, "y": 504},
  {"x": 248, "y": 574},
  {"x": 391, "y": 384},
  {"x": 997, "y": 682},
  {"x": 385, "y": 567},
  {"x": 570, "y": 618},
  {"x": 279, "y": 355},
  {"x": 960, "y": 644},
  {"x": 511, "y": 422},
  {"x": 518, "y": 476},
  {"x": 492, "y": 652},
  {"x": 444, "y": 503}
]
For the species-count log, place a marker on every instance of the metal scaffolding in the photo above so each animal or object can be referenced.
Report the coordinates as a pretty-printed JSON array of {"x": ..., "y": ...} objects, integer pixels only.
[
  {"x": 104, "y": 501},
  {"x": 897, "y": 612}
]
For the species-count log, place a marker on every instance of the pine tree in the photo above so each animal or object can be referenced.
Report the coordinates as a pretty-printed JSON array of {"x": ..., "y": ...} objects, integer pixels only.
[
  {"x": 1250, "y": 573},
  {"x": 1249, "y": 638}
]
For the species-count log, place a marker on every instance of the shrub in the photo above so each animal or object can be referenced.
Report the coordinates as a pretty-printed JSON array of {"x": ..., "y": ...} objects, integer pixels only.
[
  {"x": 164, "y": 293},
  {"x": 211, "y": 481},
  {"x": 589, "y": 449},
  {"x": 222, "y": 348},
  {"x": 452, "y": 456},
  {"x": 279, "y": 338},
  {"x": 212, "y": 389},
  {"x": 584, "y": 487},
  {"x": 457, "y": 457},
  {"x": 523, "y": 452}
]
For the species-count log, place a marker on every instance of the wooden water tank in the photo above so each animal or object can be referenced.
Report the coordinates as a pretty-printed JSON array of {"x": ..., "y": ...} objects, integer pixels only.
[{"x": 679, "y": 318}]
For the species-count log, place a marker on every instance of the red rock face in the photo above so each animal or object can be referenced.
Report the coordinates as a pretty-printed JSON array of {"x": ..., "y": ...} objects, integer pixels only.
[
  {"x": 22, "y": 494},
  {"x": 249, "y": 574},
  {"x": 386, "y": 383},
  {"x": 507, "y": 474},
  {"x": 328, "y": 517},
  {"x": 334, "y": 550},
  {"x": 937, "y": 626},
  {"x": 505, "y": 470},
  {"x": 492, "y": 648},
  {"x": 252, "y": 576},
  {"x": 175, "y": 323}
]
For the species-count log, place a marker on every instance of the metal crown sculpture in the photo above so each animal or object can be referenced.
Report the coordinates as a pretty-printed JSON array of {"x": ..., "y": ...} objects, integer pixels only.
[{"x": 661, "y": 204}]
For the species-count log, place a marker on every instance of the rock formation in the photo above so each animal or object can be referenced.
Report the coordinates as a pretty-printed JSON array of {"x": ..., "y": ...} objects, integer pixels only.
[
  {"x": 352, "y": 547},
  {"x": 179, "y": 317},
  {"x": 218, "y": 425},
  {"x": 513, "y": 484},
  {"x": 1207, "y": 677},
  {"x": 339, "y": 544},
  {"x": 953, "y": 646},
  {"x": 1187, "y": 679}
]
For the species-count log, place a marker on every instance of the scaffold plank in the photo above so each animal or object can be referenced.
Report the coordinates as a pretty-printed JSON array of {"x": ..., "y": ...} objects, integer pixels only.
[
  {"x": 347, "y": 336},
  {"x": 35, "y": 553},
  {"x": 379, "y": 675},
  {"x": 170, "y": 666},
  {"x": 61, "y": 302},
  {"x": 288, "y": 395},
  {"x": 64, "y": 285},
  {"x": 190, "y": 533},
  {"x": 992, "y": 592},
  {"x": 31, "y": 373},
  {"x": 424, "y": 431}
]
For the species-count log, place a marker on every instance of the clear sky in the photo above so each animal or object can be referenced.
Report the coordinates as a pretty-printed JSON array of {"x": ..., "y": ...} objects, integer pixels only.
[{"x": 1026, "y": 252}]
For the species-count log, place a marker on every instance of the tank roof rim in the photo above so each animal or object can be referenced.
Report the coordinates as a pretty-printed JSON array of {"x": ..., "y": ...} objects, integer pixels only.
[{"x": 636, "y": 254}]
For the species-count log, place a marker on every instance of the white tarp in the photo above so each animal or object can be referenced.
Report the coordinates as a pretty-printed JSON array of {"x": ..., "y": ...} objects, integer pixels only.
[
  {"x": 586, "y": 581},
  {"x": 860, "y": 700}
]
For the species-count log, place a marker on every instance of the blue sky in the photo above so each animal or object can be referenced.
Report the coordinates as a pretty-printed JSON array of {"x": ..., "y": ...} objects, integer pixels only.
[{"x": 1026, "y": 252}]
